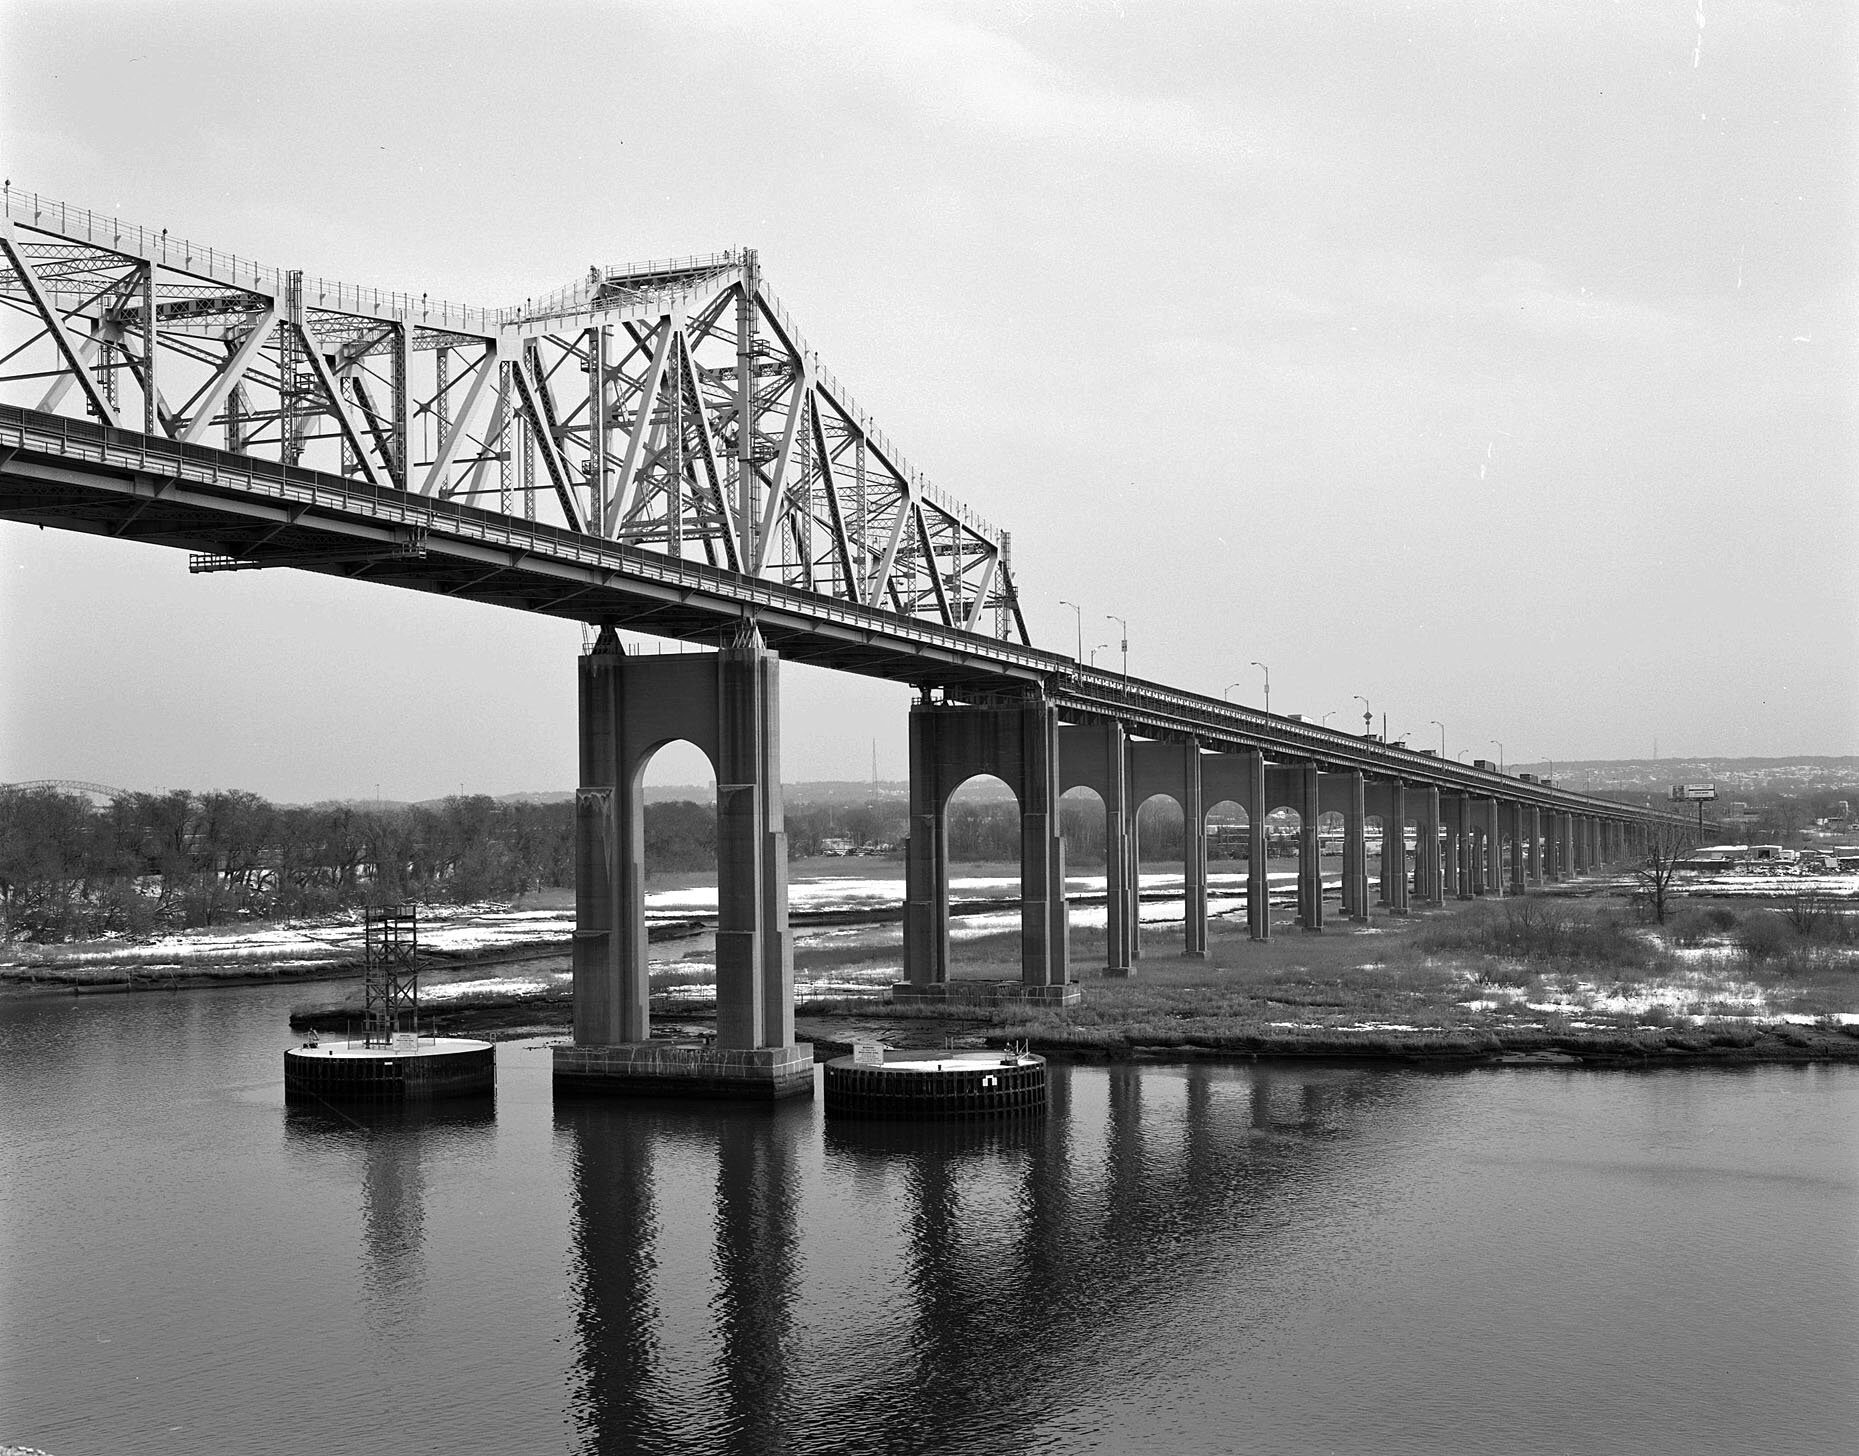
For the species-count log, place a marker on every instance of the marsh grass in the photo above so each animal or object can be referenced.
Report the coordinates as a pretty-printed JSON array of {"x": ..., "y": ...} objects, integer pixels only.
[
  {"x": 1542, "y": 932},
  {"x": 1452, "y": 981}
]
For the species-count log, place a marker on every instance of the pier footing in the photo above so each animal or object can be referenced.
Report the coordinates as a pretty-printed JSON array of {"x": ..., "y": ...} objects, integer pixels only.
[
  {"x": 686, "y": 1069},
  {"x": 411, "y": 1069},
  {"x": 918, "y": 1086}
]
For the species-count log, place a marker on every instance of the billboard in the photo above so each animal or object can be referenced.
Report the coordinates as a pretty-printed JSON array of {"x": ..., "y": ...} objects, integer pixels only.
[{"x": 1693, "y": 793}]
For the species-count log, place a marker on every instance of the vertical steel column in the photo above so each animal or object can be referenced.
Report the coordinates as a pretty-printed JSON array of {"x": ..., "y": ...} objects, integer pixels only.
[
  {"x": 597, "y": 422},
  {"x": 150, "y": 414},
  {"x": 748, "y": 507},
  {"x": 442, "y": 407},
  {"x": 1494, "y": 850},
  {"x": 1517, "y": 854},
  {"x": 1394, "y": 848},
  {"x": 400, "y": 343}
]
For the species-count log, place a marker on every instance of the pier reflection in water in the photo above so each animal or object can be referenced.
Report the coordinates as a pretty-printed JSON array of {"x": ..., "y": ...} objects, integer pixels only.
[
  {"x": 387, "y": 1151},
  {"x": 895, "y": 1288},
  {"x": 1195, "y": 1259}
]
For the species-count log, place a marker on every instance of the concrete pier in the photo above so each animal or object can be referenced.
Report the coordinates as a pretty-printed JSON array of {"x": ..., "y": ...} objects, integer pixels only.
[
  {"x": 1018, "y": 743},
  {"x": 1429, "y": 870},
  {"x": 1346, "y": 794},
  {"x": 1095, "y": 756},
  {"x": 727, "y": 704}
]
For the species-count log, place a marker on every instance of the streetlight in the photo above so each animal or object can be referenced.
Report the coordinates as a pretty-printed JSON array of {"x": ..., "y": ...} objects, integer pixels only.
[
  {"x": 1112, "y": 617},
  {"x": 1442, "y": 735},
  {"x": 1080, "y": 622},
  {"x": 1368, "y": 717},
  {"x": 1500, "y": 749},
  {"x": 1227, "y": 691},
  {"x": 1268, "y": 684},
  {"x": 1325, "y": 723},
  {"x": 1097, "y": 649}
]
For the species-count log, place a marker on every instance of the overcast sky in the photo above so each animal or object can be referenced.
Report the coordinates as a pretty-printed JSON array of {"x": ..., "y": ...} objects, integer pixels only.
[{"x": 1493, "y": 361}]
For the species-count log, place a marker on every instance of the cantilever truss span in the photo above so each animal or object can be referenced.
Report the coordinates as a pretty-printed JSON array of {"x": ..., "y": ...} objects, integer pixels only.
[{"x": 670, "y": 406}]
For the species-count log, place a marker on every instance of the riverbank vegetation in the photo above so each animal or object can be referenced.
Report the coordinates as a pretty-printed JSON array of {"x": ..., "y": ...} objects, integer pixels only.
[
  {"x": 1539, "y": 976},
  {"x": 146, "y": 864}
]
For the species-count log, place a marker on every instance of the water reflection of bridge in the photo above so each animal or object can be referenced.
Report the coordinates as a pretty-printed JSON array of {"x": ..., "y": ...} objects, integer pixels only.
[
  {"x": 907, "y": 1289},
  {"x": 391, "y": 1149}
]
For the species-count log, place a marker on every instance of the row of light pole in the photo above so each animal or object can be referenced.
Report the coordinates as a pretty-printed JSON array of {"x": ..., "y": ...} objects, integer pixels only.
[
  {"x": 1368, "y": 715},
  {"x": 1123, "y": 642}
]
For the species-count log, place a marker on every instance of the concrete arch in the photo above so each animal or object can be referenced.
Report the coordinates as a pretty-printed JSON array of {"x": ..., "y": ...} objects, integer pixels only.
[
  {"x": 1240, "y": 778},
  {"x": 975, "y": 809},
  {"x": 726, "y": 705},
  {"x": 1017, "y": 743},
  {"x": 1146, "y": 824},
  {"x": 1298, "y": 787}
]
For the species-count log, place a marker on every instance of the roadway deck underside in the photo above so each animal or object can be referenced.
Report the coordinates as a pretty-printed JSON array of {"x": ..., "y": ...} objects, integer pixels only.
[{"x": 122, "y": 484}]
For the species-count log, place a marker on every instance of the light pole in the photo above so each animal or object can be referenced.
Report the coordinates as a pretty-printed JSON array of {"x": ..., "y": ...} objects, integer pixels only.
[
  {"x": 1500, "y": 749},
  {"x": 1368, "y": 717},
  {"x": 1079, "y": 615},
  {"x": 1442, "y": 735},
  {"x": 1227, "y": 691},
  {"x": 1097, "y": 649},
  {"x": 1324, "y": 722},
  {"x": 1268, "y": 684},
  {"x": 1112, "y": 617}
]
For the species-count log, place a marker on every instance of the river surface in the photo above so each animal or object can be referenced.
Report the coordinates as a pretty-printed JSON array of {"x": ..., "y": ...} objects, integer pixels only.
[{"x": 1265, "y": 1257}]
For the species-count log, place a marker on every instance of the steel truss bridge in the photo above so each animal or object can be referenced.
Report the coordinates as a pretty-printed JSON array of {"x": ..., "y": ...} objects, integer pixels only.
[{"x": 653, "y": 447}]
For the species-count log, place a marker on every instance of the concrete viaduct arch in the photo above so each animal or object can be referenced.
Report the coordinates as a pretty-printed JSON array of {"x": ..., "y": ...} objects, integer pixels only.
[{"x": 727, "y": 704}]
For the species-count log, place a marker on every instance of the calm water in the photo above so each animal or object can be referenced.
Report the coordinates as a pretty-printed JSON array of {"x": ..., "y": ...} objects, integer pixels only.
[{"x": 1264, "y": 1258}]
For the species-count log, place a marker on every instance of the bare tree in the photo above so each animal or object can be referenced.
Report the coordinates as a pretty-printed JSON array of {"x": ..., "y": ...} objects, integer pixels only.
[{"x": 1667, "y": 847}]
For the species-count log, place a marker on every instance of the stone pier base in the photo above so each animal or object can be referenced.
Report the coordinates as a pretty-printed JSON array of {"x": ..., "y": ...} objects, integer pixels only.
[{"x": 686, "y": 1069}]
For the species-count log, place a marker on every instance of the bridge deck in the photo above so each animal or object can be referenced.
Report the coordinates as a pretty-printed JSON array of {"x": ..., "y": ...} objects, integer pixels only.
[{"x": 239, "y": 510}]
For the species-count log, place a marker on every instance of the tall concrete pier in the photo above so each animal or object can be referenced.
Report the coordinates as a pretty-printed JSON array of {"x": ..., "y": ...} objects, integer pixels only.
[
  {"x": 1017, "y": 741},
  {"x": 727, "y": 704}
]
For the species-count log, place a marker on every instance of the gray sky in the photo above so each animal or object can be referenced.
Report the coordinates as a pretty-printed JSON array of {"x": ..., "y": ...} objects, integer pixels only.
[{"x": 1494, "y": 361}]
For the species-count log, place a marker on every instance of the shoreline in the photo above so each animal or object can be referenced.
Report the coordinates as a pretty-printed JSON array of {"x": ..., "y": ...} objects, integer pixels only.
[
  {"x": 1530, "y": 982},
  {"x": 832, "y": 1028}
]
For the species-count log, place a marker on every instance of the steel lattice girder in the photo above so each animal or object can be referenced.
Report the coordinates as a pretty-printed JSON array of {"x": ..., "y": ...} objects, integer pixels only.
[{"x": 672, "y": 406}]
